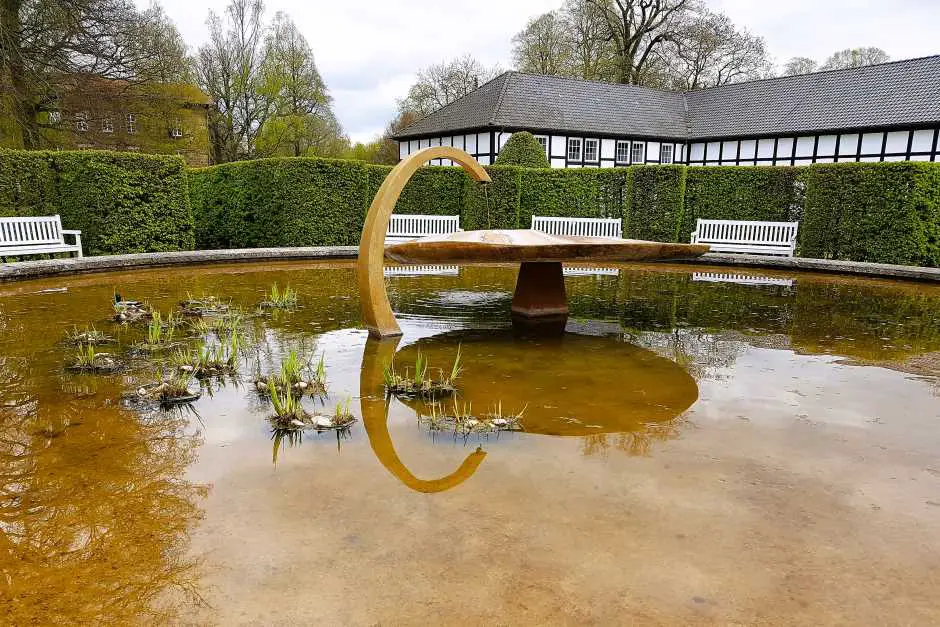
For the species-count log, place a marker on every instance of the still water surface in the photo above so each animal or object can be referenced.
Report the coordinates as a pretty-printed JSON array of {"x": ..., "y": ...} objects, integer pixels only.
[{"x": 694, "y": 452}]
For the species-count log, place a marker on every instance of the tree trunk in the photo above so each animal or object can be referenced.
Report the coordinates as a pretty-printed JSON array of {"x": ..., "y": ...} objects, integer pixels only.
[{"x": 22, "y": 101}]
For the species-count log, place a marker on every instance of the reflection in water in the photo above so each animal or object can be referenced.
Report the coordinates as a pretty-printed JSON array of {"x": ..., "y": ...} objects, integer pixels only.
[
  {"x": 94, "y": 511},
  {"x": 374, "y": 408},
  {"x": 569, "y": 385}
]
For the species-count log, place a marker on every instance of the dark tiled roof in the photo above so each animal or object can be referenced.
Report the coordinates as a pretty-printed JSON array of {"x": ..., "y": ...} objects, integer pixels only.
[{"x": 890, "y": 94}]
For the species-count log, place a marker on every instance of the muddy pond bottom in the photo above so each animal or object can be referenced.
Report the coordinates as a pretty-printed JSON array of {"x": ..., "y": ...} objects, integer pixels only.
[{"x": 689, "y": 448}]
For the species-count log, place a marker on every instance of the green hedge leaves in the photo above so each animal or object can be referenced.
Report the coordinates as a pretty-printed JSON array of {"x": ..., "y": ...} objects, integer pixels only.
[{"x": 124, "y": 203}]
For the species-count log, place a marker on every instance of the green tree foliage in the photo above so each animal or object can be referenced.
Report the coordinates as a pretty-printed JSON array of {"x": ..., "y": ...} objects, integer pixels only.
[
  {"x": 524, "y": 150},
  {"x": 269, "y": 98}
]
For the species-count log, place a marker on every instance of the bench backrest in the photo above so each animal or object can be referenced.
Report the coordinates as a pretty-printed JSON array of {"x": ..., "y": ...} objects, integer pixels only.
[
  {"x": 30, "y": 231},
  {"x": 746, "y": 232},
  {"x": 422, "y": 226},
  {"x": 579, "y": 227}
]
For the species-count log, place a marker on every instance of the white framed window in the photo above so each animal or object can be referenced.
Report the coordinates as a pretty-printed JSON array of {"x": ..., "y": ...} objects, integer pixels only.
[
  {"x": 574, "y": 149},
  {"x": 623, "y": 151},
  {"x": 107, "y": 124},
  {"x": 590, "y": 150},
  {"x": 81, "y": 121},
  {"x": 638, "y": 152},
  {"x": 130, "y": 123},
  {"x": 55, "y": 117},
  {"x": 177, "y": 129},
  {"x": 133, "y": 149},
  {"x": 665, "y": 153},
  {"x": 542, "y": 139}
]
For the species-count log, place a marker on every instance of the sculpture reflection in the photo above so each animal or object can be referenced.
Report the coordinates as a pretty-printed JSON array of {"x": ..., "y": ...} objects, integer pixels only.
[
  {"x": 569, "y": 384},
  {"x": 374, "y": 412}
]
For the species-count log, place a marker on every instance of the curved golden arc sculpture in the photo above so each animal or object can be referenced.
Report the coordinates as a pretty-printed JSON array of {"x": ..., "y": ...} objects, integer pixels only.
[
  {"x": 377, "y": 313},
  {"x": 374, "y": 412}
]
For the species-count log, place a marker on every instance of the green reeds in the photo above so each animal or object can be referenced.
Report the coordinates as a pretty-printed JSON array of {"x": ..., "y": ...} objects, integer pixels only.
[
  {"x": 90, "y": 336},
  {"x": 280, "y": 299},
  {"x": 87, "y": 359},
  {"x": 420, "y": 384}
]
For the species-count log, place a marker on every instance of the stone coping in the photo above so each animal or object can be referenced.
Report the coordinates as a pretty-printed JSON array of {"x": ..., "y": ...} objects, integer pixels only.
[
  {"x": 861, "y": 268},
  {"x": 51, "y": 267}
]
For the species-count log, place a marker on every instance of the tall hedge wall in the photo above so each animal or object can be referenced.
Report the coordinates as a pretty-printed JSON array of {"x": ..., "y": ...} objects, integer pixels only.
[
  {"x": 765, "y": 193},
  {"x": 880, "y": 212},
  {"x": 122, "y": 202},
  {"x": 493, "y": 205},
  {"x": 656, "y": 200},
  {"x": 280, "y": 202},
  {"x": 584, "y": 193}
]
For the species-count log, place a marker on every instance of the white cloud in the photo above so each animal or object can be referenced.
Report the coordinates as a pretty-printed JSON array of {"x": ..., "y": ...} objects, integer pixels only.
[{"x": 369, "y": 51}]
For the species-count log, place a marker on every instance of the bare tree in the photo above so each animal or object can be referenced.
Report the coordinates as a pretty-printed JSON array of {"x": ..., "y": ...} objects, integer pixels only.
[
  {"x": 592, "y": 52},
  {"x": 638, "y": 30},
  {"x": 855, "y": 57},
  {"x": 47, "y": 46},
  {"x": 229, "y": 71},
  {"x": 710, "y": 51},
  {"x": 439, "y": 85},
  {"x": 543, "y": 46},
  {"x": 799, "y": 65}
]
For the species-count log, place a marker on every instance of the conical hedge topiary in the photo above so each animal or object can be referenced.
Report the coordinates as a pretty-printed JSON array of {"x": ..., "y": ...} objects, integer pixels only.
[{"x": 524, "y": 150}]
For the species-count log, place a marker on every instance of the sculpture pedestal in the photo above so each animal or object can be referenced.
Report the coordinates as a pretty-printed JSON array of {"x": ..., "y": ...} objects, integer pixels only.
[{"x": 540, "y": 291}]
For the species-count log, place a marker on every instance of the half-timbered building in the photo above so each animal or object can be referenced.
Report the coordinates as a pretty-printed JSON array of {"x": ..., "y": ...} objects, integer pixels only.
[{"x": 885, "y": 112}]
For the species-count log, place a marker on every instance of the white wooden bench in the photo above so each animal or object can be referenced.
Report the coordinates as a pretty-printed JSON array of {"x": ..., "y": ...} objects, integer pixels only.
[
  {"x": 402, "y": 228},
  {"x": 590, "y": 271},
  {"x": 36, "y": 236},
  {"x": 740, "y": 236},
  {"x": 743, "y": 279},
  {"x": 610, "y": 228}
]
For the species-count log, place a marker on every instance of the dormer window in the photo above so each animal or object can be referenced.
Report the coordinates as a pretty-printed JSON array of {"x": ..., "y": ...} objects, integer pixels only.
[{"x": 81, "y": 122}]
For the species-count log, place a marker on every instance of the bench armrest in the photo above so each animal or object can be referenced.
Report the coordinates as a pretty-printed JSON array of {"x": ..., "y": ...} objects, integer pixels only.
[{"x": 78, "y": 238}]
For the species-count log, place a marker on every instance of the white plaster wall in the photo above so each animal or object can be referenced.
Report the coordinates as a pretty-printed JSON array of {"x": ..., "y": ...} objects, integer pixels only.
[
  {"x": 923, "y": 141},
  {"x": 608, "y": 148},
  {"x": 897, "y": 142}
]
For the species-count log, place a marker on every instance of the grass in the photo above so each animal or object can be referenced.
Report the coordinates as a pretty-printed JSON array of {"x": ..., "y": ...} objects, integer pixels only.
[
  {"x": 420, "y": 384},
  {"x": 278, "y": 299},
  {"x": 205, "y": 305},
  {"x": 342, "y": 418},
  {"x": 222, "y": 326},
  {"x": 160, "y": 331},
  {"x": 463, "y": 422},
  {"x": 297, "y": 376},
  {"x": 90, "y": 336},
  {"x": 87, "y": 359},
  {"x": 209, "y": 359},
  {"x": 172, "y": 391},
  {"x": 288, "y": 413}
]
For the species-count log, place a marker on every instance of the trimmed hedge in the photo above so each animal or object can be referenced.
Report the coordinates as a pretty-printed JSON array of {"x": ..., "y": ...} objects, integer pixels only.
[
  {"x": 280, "y": 202},
  {"x": 764, "y": 193},
  {"x": 656, "y": 200},
  {"x": 879, "y": 212},
  {"x": 582, "y": 193},
  {"x": 493, "y": 205},
  {"x": 122, "y": 202},
  {"x": 522, "y": 149}
]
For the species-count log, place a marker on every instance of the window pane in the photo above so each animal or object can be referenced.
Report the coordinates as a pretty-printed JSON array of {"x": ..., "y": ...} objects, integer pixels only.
[
  {"x": 590, "y": 150},
  {"x": 665, "y": 153},
  {"x": 574, "y": 150},
  {"x": 623, "y": 152},
  {"x": 639, "y": 153}
]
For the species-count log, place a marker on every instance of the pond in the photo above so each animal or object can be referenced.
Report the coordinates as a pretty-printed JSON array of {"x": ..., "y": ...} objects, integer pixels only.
[{"x": 684, "y": 450}]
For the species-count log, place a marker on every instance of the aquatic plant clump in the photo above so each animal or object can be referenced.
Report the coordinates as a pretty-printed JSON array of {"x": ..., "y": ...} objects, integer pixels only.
[
  {"x": 295, "y": 376},
  {"x": 90, "y": 336},
  {"x": 172, "y": 391},
  {"x": 222, "y": 325},
  {"x": 209, "y": 359},
  {"x": 160, "y": 333},
  {"x": 87, "y": 359},
  {"x": 462, "y": 421},
  {"x": 420, "y": 384},
  {"x": 279, "y": 299},
  {"x": 204, "y": 306}
]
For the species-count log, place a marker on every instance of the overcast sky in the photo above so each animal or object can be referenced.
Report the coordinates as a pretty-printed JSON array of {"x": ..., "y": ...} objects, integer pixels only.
[{"x": 369, "y": 50}]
